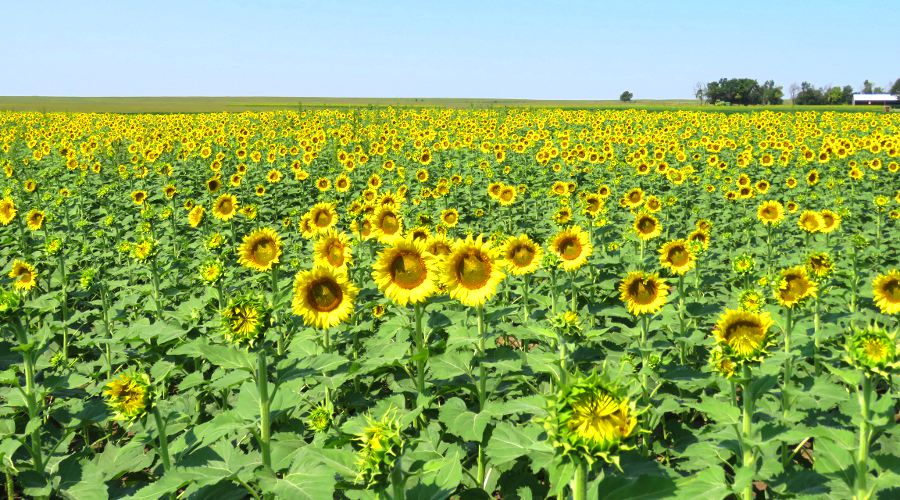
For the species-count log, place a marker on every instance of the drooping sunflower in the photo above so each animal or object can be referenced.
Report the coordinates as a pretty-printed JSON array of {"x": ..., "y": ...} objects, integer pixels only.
[
  {"x": 886, "y": 292},
  {"x": 770, "y": 212},
  {"x": 589, "y": 420},
  {"x": 128, "y": 395},
  {"x": 333, "y": 250},
  {"x": 810, "y": 221},
  {"x": 323, "y": 296},
  {"x": 24, "y": 275},
  {"x": 260, "y": 250},
  {"x": 743, "y": 334},
  {"x": 7, "y": 211},
  {"x": 794, "y": 286},
  {"x": 405, "y": 272},
  {"x": 323, "y": 216},
  {"x": 195, "y": 216},
  {"x": 573, "y": 247},
  {"x": 387, "y": 225},
  {"x": 522, "y": 255},
  {"x": 647, "y": 226},
  {"x": 643, "y": 293},
  {"x": 677, "y": 256},
  {"x": 830, "y": 221},
  {"x": 472, "y": 272},
  {"x": 35, "y": 219},
  {"x": 225, "y": 207}
]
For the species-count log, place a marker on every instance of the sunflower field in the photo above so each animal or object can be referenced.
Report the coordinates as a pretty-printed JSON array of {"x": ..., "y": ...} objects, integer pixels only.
[{"x": 436, "y": 303}]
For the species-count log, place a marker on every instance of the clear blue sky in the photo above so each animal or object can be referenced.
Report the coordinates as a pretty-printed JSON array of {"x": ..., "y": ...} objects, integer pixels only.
[{"x": 452, "y": 48}]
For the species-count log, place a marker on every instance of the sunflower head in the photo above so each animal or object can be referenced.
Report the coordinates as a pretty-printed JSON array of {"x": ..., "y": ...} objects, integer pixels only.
[
  {"x": 35, "y": 219},
  {"x": 794, "y": 286},
  {"x": 830, "y": 221},
  {"x": 260, "y": 250},
  {"x": 873, "y": 349},
  {"x": 9, "y": 303},
  {"x": 820, "y": 264},
  {"x": 677, "y": 256},
  {"x": 647, "y": 226},
  {"x": 811, "y": 221},
  {"x": 770, "y": 212},
  {"x": 24, "y": 275},
  {"x": 333, "y": 250},
  {"x": 387, "y": 225},
  {"x": 406, "y": 272},
  {"x": 128, "y": 395},
  {"x": 380, "y": 443},
  {"x": 886, "y": 292},
  {"x": 722, "y": 363},
  {"x": 319, "y": 418},
  {"x": 244, "y": 320},
  {"x": 196, "y": 215},
  {"x": 521, "y": 255},
  {"x": 751, "y": 300},
  {"x": 643, "y": 293},
  {"x": 210, "y": 271},
  {"x": 589, "y": 420},
  {"x": 225, "y": 207},
  {"x": 7, "y": 211},
  {"x": 572, "y": 246},
  {"x": 472, "y": 272},
  {"x": 323, "y": 296},
  {"x": 743, "y": 335},
  {"x": 143, "y": 249},
  {"x": 323, "y": 216},
  {"x": 743, "y": 264}
]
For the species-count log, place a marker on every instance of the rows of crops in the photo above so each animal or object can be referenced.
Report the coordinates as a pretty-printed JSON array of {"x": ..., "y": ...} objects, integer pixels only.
[{"x": 443, "y": 303}]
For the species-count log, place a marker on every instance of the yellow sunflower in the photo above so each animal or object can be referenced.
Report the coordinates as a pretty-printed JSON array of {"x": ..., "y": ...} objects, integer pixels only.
[
  {"x": 744, "y": 333},
  {"x": 225, "y": 207},
  {"x": 676, "y": 255},
  {"x": 139, "y": 197},
  {"x": 472, "y": 271},
  {"x": 794, "y": 286},
  {"x": 439, "y": 245},
  {"x": 24, "y": 274},
  {"x": 647, "y": 226},
  {"x": 573, "y": 247},
  {"x": 260, "y": 249},
  {"x": 521, "y": 255},
  {"x": 633, "y": 198},
  {"x": 323, "y": 216},
  {"x": 35, "y": 219},
  {"x": 196, "y": 215},
  {"x": 450, "y": 217},
  {"x": 333, "y": 250},
  {"x": 387, "y": 225},
  {"x": 643, "y": 293},
  {"x": 405, "y": 272},
  {"x": 810, "y": 221},
  {"x": 7, "y": 211},
  {"x": 830, "y": 221},
  {"x": 323, "y": 296},
  {"x": 886, "y": 288},
  {"x": 770, "y": 212},
  {"x": 507, "y": 195}
]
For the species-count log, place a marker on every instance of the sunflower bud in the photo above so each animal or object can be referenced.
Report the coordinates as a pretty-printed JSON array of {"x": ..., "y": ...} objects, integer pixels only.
[
  {"x": 381, "y": 443},
  {"x": 128, "y": 395},
  {"x": 244, "y": 320},
  {"x": 873, "y": 349}
]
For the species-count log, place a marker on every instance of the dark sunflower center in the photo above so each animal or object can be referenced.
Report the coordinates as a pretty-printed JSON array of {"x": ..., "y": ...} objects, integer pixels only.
[
  {"x": 643, "y": 291},
  {"x": 678, "y": 256},
  {"x": 335, "y": 253},
  {"x": 226, "y": 207},
  {"x": 440, "y": 248},
  {"x": 473, "y": 270},
  {"x": 646, "y": 225},
  {"x": 892, "y": 290},
  {"x": 507, "y": 194},
  {"x": 390, "y": 224},
  {"x": 743, "y": 333},
  {"x": 324, "y": 295},
  {"x": 569, "y": 248},
  {"x": 322, "y": 218},
  {"x": 522, "y": 255},
  {"x": 264, "y": 251},
  {"x": 634, "y": 197},
  {"x": 408, "y": 270},
  {"x": 795, "y": 289}
]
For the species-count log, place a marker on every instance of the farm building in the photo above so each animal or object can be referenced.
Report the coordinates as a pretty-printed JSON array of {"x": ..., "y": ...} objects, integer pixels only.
[{"x": 886, "y": 99}]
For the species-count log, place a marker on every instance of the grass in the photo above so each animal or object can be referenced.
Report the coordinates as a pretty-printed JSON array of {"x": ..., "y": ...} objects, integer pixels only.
[{"x": 238, "y": 104}]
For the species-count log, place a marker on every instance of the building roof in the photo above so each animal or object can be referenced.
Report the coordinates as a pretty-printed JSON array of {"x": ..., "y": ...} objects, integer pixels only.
[{"x": 875, "y": 97}]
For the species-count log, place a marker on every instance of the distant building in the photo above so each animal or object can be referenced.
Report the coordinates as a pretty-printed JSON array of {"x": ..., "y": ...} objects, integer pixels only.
[{"x": 885, "y": 99}]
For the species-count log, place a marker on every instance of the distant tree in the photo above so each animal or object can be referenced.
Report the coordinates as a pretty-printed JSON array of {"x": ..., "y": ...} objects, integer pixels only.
[
  {"x": 867, "y": 87},
  {"x": 626, "y": 96},
  {"x": 878, "y": 90},
  {"x": 847, "y": 94},
  {"x": 700, "y": 89},
  {"x": 735, "y": 91},
  {"x": 771, "y": 94},
  {"x": 895, "y": 88},
  {"x": 809, "y": 94},
  {"x": 834, "y": 95},
  {"x": 793, "y": 89}
]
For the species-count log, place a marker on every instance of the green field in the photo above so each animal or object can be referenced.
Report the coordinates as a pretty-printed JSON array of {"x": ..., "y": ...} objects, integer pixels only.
[{"x": 239, "y": 104}]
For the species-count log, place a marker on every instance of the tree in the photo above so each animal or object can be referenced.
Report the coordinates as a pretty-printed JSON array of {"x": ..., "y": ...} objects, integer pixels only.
[
  {"x": 699, "y": 91},
  {"x": 735, "y": 91},
  {"x": 834, "y": 95},
  {"x": 771, "y": 94},
  {"x": 626, "y": 96},
  {"x": 793, "y": 89},
  {"x": 847, "y": 94},
  {"x": 809, "y": 94},
  {"x": 895, "y": 88},
  {"x": 867, "y": 87}
]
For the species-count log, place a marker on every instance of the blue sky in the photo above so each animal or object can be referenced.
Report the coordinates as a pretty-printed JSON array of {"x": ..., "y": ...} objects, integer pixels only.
[{"x": 515, "y": 49}]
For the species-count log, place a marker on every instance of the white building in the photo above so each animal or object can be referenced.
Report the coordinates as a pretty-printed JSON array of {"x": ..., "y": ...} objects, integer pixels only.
[{"x": 886, "y": 99}]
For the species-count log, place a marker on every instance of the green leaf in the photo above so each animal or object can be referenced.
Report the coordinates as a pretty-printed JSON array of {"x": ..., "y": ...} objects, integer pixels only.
[
  {"x": 312, "y": 483},
  {"x": 462, "y": 422},
  {"x": 720, "y": 412},
  {"x": 509, "y": 443}
]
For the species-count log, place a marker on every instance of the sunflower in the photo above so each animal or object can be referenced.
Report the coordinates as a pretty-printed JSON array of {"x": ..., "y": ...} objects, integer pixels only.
[
  {"x": 323, "y": 216},
  {"x": 439, "y": 245},
  {"x": 647, "y": 226},
  {"x": 588, "y": 419},
  {"x": 196, "y": 215},
  {"x": 593, "y": 204},
  {"x": 128, "y": 395},
  {"x": 794, "y": 286},
  {"x": 830, "y": 221},
  {"x": 260, "y": 249},
  {"x": 24, "y": 274},
  {"x": 810, "y": 221},
  {"x": 633, "y": 198},
  {"x": 751, "y": 300},
  {"x": 521, "y": 255},
  {"x": 139, "y": 197},
  {"x": 643, "y": 293},
  {"x": 35, "y": 219},
  {"x": 770, "y": 212},
  {"x": 7, "y": 211},
  {"x": 333, "y": 250},
  {"x": 573, "y": 247},
  {"x": 244, "y": 320},
  {"x": 744, "y": 334},
  {"x": 387, "y": 225},
  {"x": 886, "y": 292},
  {"x": 472, "y": 272},
  {"x": 677, "y": 256},
  {"x": 273, "y": 176},
  {"x": 405, "y": 272},
  {"x": 169, "y": 191},
  {"x": 342, "y": 183},
  {"x": 873, "y": 349},
  {"x": 450, "y": 217},
  {"x": 820, "y": 264},
  {"x": 323, "y": 297},
  {"x": 507, "y": 195},
  {"x": 225, "y": 207},
  {"x": 213, "y": 184},
  {"x": 210, "y": 271}
]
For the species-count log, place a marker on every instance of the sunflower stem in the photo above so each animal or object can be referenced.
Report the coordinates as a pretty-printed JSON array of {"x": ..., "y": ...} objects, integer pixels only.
[
  {"x": 864, "y": 395},
  {"x": 817, "y": 342},
  {"x": 579, "y": 483},
  {"x": 785, "y": 400},
  {"x": 553, "y": 290},
  {"x": 525, "y": 311},
  {"x": 64, "y": 308},
  {"x": 421, "y": 349},
  {"x": 163, "y": 439},
  {"x": 397, "y": 482},
  {"x": 265, "y": 424},
  {"x": 482, "y": 369},
  {"x": 154, "y": 273},
  {"x": 749, "y": 458},
  {"x": 32, "y": 403}
]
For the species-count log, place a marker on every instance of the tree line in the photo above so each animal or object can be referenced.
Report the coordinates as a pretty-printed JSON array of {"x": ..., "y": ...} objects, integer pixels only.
[{"x": 749, "y": 91}]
